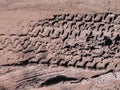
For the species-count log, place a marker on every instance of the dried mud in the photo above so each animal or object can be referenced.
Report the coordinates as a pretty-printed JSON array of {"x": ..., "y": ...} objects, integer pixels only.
[{"x": 59, "y": 48}]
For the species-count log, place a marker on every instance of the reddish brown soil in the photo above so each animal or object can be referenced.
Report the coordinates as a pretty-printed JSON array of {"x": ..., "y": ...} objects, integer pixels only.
[{"x": 59, "y": 45}]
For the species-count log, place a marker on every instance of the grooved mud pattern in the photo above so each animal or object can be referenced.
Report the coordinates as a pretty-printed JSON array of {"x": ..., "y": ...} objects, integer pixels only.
[{"x": 89, "y": 41}]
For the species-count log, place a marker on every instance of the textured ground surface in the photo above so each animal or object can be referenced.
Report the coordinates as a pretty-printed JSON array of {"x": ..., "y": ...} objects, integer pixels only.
[{"x": 59, "y": 45}]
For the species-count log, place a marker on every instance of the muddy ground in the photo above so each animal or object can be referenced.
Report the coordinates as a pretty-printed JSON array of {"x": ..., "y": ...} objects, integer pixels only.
[{"x": 59, "y": 45}]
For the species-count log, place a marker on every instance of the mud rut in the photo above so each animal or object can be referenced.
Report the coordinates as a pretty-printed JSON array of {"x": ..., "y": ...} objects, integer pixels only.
[{"x": 89, "y": 41}]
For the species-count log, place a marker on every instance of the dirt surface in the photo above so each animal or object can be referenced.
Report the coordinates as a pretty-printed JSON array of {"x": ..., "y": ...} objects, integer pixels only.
[{"x": 59, "y": 45}]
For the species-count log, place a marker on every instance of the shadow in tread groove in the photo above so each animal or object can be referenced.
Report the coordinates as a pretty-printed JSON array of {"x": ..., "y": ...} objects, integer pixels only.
[{"x": 57, "y": 79}]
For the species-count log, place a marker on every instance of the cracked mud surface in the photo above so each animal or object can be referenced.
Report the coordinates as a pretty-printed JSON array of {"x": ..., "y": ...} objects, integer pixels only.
[{"x": 59, "y": 51}]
